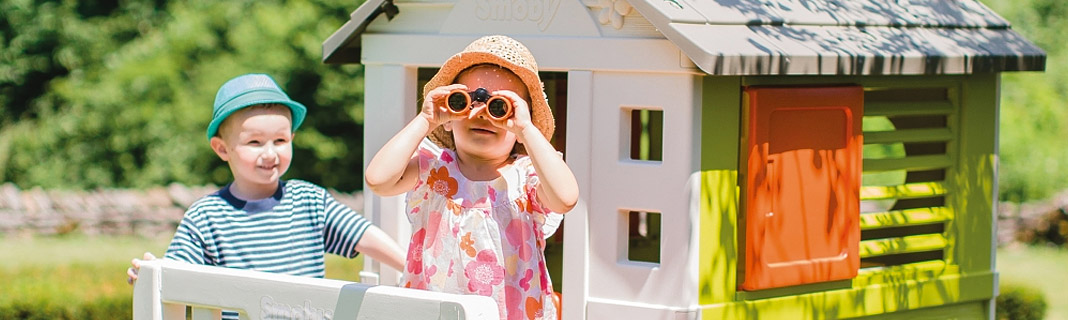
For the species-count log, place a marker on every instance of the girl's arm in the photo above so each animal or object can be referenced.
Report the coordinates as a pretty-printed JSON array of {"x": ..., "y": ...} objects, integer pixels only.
[
  {"x": 395, "y": 169},
  {"x": 558, "y": 189}
]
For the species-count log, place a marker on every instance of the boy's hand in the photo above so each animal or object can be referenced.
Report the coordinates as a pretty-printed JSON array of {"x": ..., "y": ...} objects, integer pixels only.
[
  {"x": 435, "y": 109},
  {"x": 131, "y": 273}
]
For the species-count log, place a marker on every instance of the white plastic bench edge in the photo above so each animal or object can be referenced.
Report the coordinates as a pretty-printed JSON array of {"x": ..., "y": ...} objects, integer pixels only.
[{"x": 165, "y": 288}]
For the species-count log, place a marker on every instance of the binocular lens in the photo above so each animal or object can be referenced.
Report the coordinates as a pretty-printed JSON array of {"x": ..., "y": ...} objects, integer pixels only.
[
  {"x": 458, "y": 101},
  {"x": 498, "y": 108}
]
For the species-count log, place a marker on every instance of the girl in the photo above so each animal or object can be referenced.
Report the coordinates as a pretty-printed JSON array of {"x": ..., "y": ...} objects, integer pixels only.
[{"x": 483, "y": 197}]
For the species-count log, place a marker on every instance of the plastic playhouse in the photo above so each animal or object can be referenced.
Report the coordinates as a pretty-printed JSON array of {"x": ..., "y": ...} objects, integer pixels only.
[{"x": 738, "y": 159}]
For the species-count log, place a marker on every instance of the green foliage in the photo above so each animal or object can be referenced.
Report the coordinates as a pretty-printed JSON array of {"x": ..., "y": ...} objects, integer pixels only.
[
  {"x": 117, "y": 93},
  {"x": 1034, "y": 121},
  {"x": 130, "y": 94},
  {"x": 1033, "y": 151},
  {"x": 1018, "y": 302},
  {"x": 34, "y": 310},
  {"x": 109, "y": 307}
]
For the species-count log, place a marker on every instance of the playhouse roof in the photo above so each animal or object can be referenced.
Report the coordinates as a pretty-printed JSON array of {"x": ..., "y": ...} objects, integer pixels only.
[{"x": 806, "y": 37}]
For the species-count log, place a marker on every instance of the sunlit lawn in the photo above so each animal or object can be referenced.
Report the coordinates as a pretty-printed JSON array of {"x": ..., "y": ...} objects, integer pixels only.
[
  {"x": 1042, "y": 268},
  {"x": 68, "y": 269},
  {"x": 78, "y": 269}
]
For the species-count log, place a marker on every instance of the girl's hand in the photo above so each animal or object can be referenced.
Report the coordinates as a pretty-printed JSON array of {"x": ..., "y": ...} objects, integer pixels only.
[
  {"x": 435, "y": 109},
  {"x": 519, "y": 120}
]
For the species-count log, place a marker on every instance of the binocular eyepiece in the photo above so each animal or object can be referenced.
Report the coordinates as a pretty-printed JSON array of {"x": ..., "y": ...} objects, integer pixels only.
[{"x": 498, "y": 107}]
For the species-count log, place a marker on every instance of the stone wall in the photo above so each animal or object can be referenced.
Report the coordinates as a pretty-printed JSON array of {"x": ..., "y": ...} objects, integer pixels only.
[
  {"x": 148, "y": 212},
  {"x": 157, "y": 211},
  {"x": 1038, "y": 223}
]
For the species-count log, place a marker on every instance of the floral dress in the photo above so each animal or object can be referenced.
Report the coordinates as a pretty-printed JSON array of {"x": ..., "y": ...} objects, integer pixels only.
[{"x": 481, "y": 237}]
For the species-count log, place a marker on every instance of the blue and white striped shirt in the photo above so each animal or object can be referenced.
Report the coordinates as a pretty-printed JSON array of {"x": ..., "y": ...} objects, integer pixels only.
[{"x": 287, "y": 233}]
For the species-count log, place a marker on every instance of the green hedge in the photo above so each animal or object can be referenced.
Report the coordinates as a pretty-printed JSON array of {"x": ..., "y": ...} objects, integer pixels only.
[
  {"x": 1018, "y": 302},
  {"x": 107, "y": 307}
]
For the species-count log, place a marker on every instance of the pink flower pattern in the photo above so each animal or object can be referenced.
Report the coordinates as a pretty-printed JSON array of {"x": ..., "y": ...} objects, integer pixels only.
[
  {"x": 513, "y": 298},
  {"x": 525, "y": 282},
  {"x": 483, "y": 273},
  {"x": 474, "y": 213}
]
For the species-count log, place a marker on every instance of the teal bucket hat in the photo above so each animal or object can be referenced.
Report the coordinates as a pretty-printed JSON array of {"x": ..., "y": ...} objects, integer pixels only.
[{"x": 251, "y": 89}]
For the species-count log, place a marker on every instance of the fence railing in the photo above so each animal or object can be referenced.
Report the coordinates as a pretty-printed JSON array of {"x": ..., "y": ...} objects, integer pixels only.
[{"x": 165, "y": 288}]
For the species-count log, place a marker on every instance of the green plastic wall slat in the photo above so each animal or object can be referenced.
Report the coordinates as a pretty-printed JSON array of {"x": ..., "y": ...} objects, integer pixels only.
[
  {"x": 905, "y": 191},
  {"x": 898, "y": 298},
  {"x": 908, "y": 217},
  {"x": 908, "y": 135},
  {"x": 927, "y": 162},
  {"x": 917, "y": 271},
  {"x": 917, "y": 243},
  {"x": 907, "y": 108}
]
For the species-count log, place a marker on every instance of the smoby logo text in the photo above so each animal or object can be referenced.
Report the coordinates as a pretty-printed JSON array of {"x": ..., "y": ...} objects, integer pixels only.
[{"x": 539, "y": 11}]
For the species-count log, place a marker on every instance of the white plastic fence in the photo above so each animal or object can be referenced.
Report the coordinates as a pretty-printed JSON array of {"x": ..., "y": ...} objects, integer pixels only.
[{"x": 165, "y": 288}]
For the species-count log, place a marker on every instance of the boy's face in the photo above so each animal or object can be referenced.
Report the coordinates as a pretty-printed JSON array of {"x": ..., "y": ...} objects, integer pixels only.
[{"x": 257, "y": 144}]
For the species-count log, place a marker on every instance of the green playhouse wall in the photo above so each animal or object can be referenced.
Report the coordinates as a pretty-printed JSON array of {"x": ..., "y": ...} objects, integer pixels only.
[{"x": 959, "y": 285}]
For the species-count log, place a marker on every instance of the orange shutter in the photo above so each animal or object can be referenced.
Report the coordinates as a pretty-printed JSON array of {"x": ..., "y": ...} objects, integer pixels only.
[{"x": 804, "y": 147}]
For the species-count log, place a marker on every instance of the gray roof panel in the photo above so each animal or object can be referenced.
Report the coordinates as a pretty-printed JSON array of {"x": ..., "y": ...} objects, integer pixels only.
[
  {"x": 928, "y": 13},
  {"x": 811, "y": 50},
  {"x": 840, "y": 37}
]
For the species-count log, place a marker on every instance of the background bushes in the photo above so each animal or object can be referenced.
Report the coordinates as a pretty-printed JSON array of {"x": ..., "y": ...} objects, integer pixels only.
[
  {"x": 118, "y": 93},
  {"x": 1019, "y": 302},
  {"x": 105, "y": 307}
]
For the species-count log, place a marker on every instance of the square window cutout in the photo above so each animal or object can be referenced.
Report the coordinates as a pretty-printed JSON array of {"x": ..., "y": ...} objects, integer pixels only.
[
  {"x": 646, "y": 135},
  {"x": 643, "y": 236}
]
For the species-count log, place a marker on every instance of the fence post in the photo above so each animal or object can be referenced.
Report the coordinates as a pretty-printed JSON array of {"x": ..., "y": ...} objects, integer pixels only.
[{"x": 146, "y": 295}]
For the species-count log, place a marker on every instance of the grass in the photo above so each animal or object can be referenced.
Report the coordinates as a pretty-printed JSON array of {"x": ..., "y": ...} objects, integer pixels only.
[
  {"x": 70, "y": 269},
  {"x": 1039, "y": 267},
  {"x": 79, "y": 269}
]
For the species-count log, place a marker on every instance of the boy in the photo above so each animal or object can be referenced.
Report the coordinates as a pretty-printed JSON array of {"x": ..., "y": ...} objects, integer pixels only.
[{"x": 259, "y": 221}]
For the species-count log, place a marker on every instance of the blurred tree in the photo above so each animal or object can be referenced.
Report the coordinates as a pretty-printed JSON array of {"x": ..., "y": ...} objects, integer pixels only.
[
  {"x": 117, "y": 93},
  {"x": 44, "y": 40},
  {"x": 1034, "y": 120},
  {"x": 132, "y": 111}
]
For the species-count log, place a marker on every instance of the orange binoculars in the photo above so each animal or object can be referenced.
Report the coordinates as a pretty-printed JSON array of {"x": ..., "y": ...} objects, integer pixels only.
[{"x": 498, "y": 107}]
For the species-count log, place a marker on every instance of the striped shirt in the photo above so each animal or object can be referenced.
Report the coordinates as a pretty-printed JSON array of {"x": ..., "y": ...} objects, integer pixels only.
[{"x": 287, "y": 233}]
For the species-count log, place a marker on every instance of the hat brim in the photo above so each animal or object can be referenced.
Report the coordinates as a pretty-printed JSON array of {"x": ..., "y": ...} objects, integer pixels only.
[
  {"x": 540, "y": 114},
  {"x": 297, "y": 109}
]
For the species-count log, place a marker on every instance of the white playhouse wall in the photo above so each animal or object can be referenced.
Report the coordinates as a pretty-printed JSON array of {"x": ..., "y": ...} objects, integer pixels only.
[
  {"x": 609, "y": 73},
  {"x": 619, "y": 288}
]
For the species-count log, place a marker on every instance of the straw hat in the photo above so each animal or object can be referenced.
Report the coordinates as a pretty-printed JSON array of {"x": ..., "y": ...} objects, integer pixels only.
[{"x": 505, "y": 52}]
